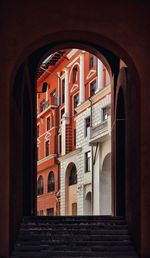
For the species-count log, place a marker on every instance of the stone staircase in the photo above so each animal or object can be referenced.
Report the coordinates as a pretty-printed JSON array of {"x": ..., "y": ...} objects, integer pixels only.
[{"x": 74, "y": 236}]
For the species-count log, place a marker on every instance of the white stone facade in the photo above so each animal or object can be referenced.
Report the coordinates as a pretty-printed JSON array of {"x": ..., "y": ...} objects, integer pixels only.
[{"x": 101, "y": 144}]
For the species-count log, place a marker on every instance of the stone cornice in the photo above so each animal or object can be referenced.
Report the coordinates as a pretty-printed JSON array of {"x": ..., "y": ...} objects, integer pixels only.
[
  {"x": 46, "y": 158},
  {"x": 68, "y": 155},
  {"x": 99, "y": 95}
]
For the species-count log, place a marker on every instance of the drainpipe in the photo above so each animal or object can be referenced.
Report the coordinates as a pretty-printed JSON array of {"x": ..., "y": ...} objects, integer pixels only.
[{"x": 91, "y": 124}]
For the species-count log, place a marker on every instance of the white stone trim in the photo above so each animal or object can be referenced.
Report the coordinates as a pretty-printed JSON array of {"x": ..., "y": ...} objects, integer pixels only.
[
  {"x": 70, "y": 154},
  {"x": 77, "y": 93},
  {"x": 72, "y": 52},
  {"x": 74, "y": 87},
  {"x": 46, "y": 159},
  {"x": 73, "y": 61},
  {"x": 90, "y": 74},
  {"x": 70, "y": 72},
  {"x": 47, "y": 131}
]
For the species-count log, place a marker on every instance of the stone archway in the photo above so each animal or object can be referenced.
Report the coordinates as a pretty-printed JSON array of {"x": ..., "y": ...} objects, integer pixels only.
[
  {"x": 105, "y": 187},
  {"x": 88, "y": 204},
  {"x": 33, "y": 60},
  {"x": 71, "y": 190}
]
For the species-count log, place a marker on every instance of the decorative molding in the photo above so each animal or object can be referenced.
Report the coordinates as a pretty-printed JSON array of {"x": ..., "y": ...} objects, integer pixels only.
[
  {"x": 74, "y": 87},
  {"x": 72, "y": 69},
  {"x": 47, "y": 136},
  {"x": 54, "y": 127},
  {"x": 95, "y": 98},
  {"x": 73, "y": 61},
  {"x": 70, "y": 154},
  {"x": 71, "y": 53},
  {"x": 46, "y": 159},
  {"x": 91, "y": 73}
]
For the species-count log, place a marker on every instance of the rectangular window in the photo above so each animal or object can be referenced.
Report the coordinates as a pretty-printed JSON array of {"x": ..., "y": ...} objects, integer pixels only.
[
  {"x": 105, "y": 112},
  {"x": 47, "y": 148},
  {"x": 62, "y": 112},
  {"x": 48, "y": 123},
  {"x": 59, "y": 144},
  {"x": 92, "y": 88},
  {"x": 63, "y": 91},
  {"x": 87, "y": 126},
  {"x": 50, "y": 212},
  {"x": 76, "y": 102},
  {"x": 38, "y": 130},
  {"x": 74, "y": 137},
  {"x": 87, "y": 161},
  {"x": 75, "y": 74},
  {"x": 92, "y": 61}
]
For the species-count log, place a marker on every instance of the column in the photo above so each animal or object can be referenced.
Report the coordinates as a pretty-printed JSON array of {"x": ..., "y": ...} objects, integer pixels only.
[
  {"x": 82, "y": 87},
  {"x": 63, "y": 137},
  {"x": 59, "y": 85},
  {"x": 66, "y": 92},
  {"x": 100, "y": 84}
]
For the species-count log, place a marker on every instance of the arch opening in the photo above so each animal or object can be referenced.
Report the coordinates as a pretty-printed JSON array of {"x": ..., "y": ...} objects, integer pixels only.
[
  {"x": 71, "y": 190},
  {"x": 110, "y": 69},
  {"x": 105, "y": 187}
]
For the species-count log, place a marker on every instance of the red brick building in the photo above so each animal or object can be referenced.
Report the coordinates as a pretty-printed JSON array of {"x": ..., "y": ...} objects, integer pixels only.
[{"x": 59, "y": 70}]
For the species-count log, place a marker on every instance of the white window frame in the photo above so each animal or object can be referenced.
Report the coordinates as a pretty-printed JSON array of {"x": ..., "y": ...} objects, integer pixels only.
[
  {"x": 95, "y": 79},
  {"x": 77, "y": 93},
  {"x": 46, "y": 123},
  {"x": 85, "y": 171},
  {"x": 60, "y": 118},
  {"x": 46, "y": 140},
  {"x": 85, "y": 136}
]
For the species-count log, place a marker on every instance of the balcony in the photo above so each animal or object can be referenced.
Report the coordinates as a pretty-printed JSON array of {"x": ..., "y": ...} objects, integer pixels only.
[
  {"x": 44, "y": 105},
  {"x": 99, "y": 133},
  {"x": 53, "y": 101}
]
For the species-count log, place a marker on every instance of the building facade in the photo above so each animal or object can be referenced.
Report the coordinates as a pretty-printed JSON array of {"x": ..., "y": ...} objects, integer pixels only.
[{"x": 73, "y": 130}]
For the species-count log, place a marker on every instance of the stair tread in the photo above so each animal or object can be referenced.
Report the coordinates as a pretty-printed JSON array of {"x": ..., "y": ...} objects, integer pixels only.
[{"x": 68, "y": 237}]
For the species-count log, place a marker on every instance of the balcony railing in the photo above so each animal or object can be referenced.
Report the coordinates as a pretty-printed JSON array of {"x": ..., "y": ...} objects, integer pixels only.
[
  {"x": 53, "y": 101},
  {"x": 98, "y": 131},
  {"x": 44, "y": 105}
]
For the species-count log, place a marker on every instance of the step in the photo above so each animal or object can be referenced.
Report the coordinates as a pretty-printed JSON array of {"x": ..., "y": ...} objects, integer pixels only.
[
  {"x": 76, "y": 254},
  {"x": 78, "y": 226},
  {"x": 77, "y": 236},
  {"x": 75, "y": 242}
]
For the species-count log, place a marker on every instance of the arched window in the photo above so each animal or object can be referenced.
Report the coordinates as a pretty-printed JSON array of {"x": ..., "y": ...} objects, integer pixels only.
[
  {"x": 73, "y": 176},
  {"x": 40, "y": 185},
  {"x": 51, "y": 182},
  {"x": 75, "y": 74}
]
